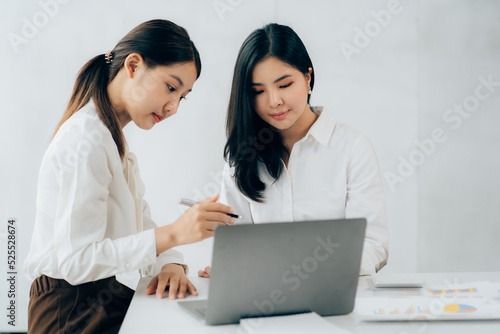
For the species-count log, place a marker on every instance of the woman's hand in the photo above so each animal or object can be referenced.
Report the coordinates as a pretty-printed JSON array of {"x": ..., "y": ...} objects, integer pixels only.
[
  {"x": 173, "y": 276},
  {"x": 204, "y": 273},
  {"x": 196, "y": 224}
]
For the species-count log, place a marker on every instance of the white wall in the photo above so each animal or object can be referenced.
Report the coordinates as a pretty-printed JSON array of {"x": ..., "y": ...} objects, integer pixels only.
[
  {"x": 426, "y": 56},
  {"x": 459, "y": 195}
]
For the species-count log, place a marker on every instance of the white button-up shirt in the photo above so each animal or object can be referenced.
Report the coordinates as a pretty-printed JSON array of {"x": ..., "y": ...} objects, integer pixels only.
[
  {"x": 332, "y": 173},
  {"x": 91, "y": 220}
]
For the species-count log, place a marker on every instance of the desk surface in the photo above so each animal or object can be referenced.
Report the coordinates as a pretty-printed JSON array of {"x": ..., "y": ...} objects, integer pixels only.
[{"x": 151, "y": 315}]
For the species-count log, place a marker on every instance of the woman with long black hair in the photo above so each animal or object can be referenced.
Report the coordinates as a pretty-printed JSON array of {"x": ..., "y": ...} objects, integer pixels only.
[
  {"x": 290, "y": 161},
  {"x": 92, "y": 222}
]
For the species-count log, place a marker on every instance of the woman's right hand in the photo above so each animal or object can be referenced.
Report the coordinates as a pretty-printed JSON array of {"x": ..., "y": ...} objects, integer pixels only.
[
  {"x": 196, "y": 224},
  {"x": 204, "y": 273}
]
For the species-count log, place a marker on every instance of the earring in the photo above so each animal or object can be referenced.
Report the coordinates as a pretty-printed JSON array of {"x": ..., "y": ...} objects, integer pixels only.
[{"x": 310, "y": 91}]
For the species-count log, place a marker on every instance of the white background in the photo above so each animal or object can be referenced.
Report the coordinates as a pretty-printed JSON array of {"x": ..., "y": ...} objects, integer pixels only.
[{"x": 443, "y": 200}]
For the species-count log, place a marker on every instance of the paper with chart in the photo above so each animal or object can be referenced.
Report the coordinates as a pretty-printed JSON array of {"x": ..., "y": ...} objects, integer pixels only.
[{"x": 471, "y": 301}]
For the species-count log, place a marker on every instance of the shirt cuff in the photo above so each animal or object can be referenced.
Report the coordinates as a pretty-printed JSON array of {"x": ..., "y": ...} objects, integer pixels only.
[
  {"x": 170, "y": 256},
  {"x": 141, "y": 254},
  {"x": 367, "y": 266}
]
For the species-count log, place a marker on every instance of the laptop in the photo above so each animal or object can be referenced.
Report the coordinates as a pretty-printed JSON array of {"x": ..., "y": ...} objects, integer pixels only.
[{"x": 282, "y": 268}]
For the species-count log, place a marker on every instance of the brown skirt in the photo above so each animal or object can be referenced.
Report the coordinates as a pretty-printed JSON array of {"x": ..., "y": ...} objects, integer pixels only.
[{"x": 56, "y": 306}]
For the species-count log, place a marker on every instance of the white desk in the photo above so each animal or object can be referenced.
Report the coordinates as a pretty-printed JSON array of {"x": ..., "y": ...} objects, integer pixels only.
[{"x": 147, "y": 314}]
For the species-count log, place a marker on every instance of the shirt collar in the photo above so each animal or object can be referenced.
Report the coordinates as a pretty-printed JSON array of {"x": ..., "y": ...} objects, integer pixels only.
[{"x": 322, "y": 129}]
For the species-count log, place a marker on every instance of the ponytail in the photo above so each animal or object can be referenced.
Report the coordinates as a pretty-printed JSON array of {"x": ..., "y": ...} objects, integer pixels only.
[{"x": 92, "y": 82}]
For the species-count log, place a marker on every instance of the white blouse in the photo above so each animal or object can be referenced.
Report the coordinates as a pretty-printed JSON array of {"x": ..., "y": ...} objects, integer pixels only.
[
  {"x": 332, "y": 174},
  {"x": 91, "y": 221}
]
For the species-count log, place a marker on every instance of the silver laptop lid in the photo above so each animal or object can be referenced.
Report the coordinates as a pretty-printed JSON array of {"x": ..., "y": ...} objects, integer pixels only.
[{"x": 283, "y": 268}]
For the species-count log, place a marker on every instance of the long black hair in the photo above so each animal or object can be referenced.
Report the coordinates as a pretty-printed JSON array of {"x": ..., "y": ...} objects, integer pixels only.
[
  {"x": 159, "y": 42},
  {"x": 250, "y": 140}
]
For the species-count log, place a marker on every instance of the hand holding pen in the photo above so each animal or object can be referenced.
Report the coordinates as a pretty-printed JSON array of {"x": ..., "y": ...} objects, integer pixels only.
[
  {"x": 195, "y": 224},
  {"x": 188, "y": 202}
]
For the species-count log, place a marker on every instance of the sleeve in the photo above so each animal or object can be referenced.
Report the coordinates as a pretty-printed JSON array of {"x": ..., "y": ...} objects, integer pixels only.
[
  {"x": 83, "y": 252},
  {"x": 365, "y": 198},
  {"x": 231, "y": 196},
  {"x": 168, "y": 256}
]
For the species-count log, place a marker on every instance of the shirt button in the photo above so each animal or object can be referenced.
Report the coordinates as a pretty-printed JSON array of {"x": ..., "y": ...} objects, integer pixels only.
[
  {"x": 127, "y": 266},
  {"x": 310, "y": 139},
  {"x": 294, "y": 153},
  {"x": 146, "y": 259},
  {"x": 287, "y": 202}
]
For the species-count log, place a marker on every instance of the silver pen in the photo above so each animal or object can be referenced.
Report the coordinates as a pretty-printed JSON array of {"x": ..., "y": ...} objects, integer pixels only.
[{"x": 188, "y": 202}]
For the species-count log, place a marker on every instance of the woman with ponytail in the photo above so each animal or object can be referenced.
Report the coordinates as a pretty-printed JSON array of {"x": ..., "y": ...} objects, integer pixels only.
[{"x": 93, "y": 232}]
